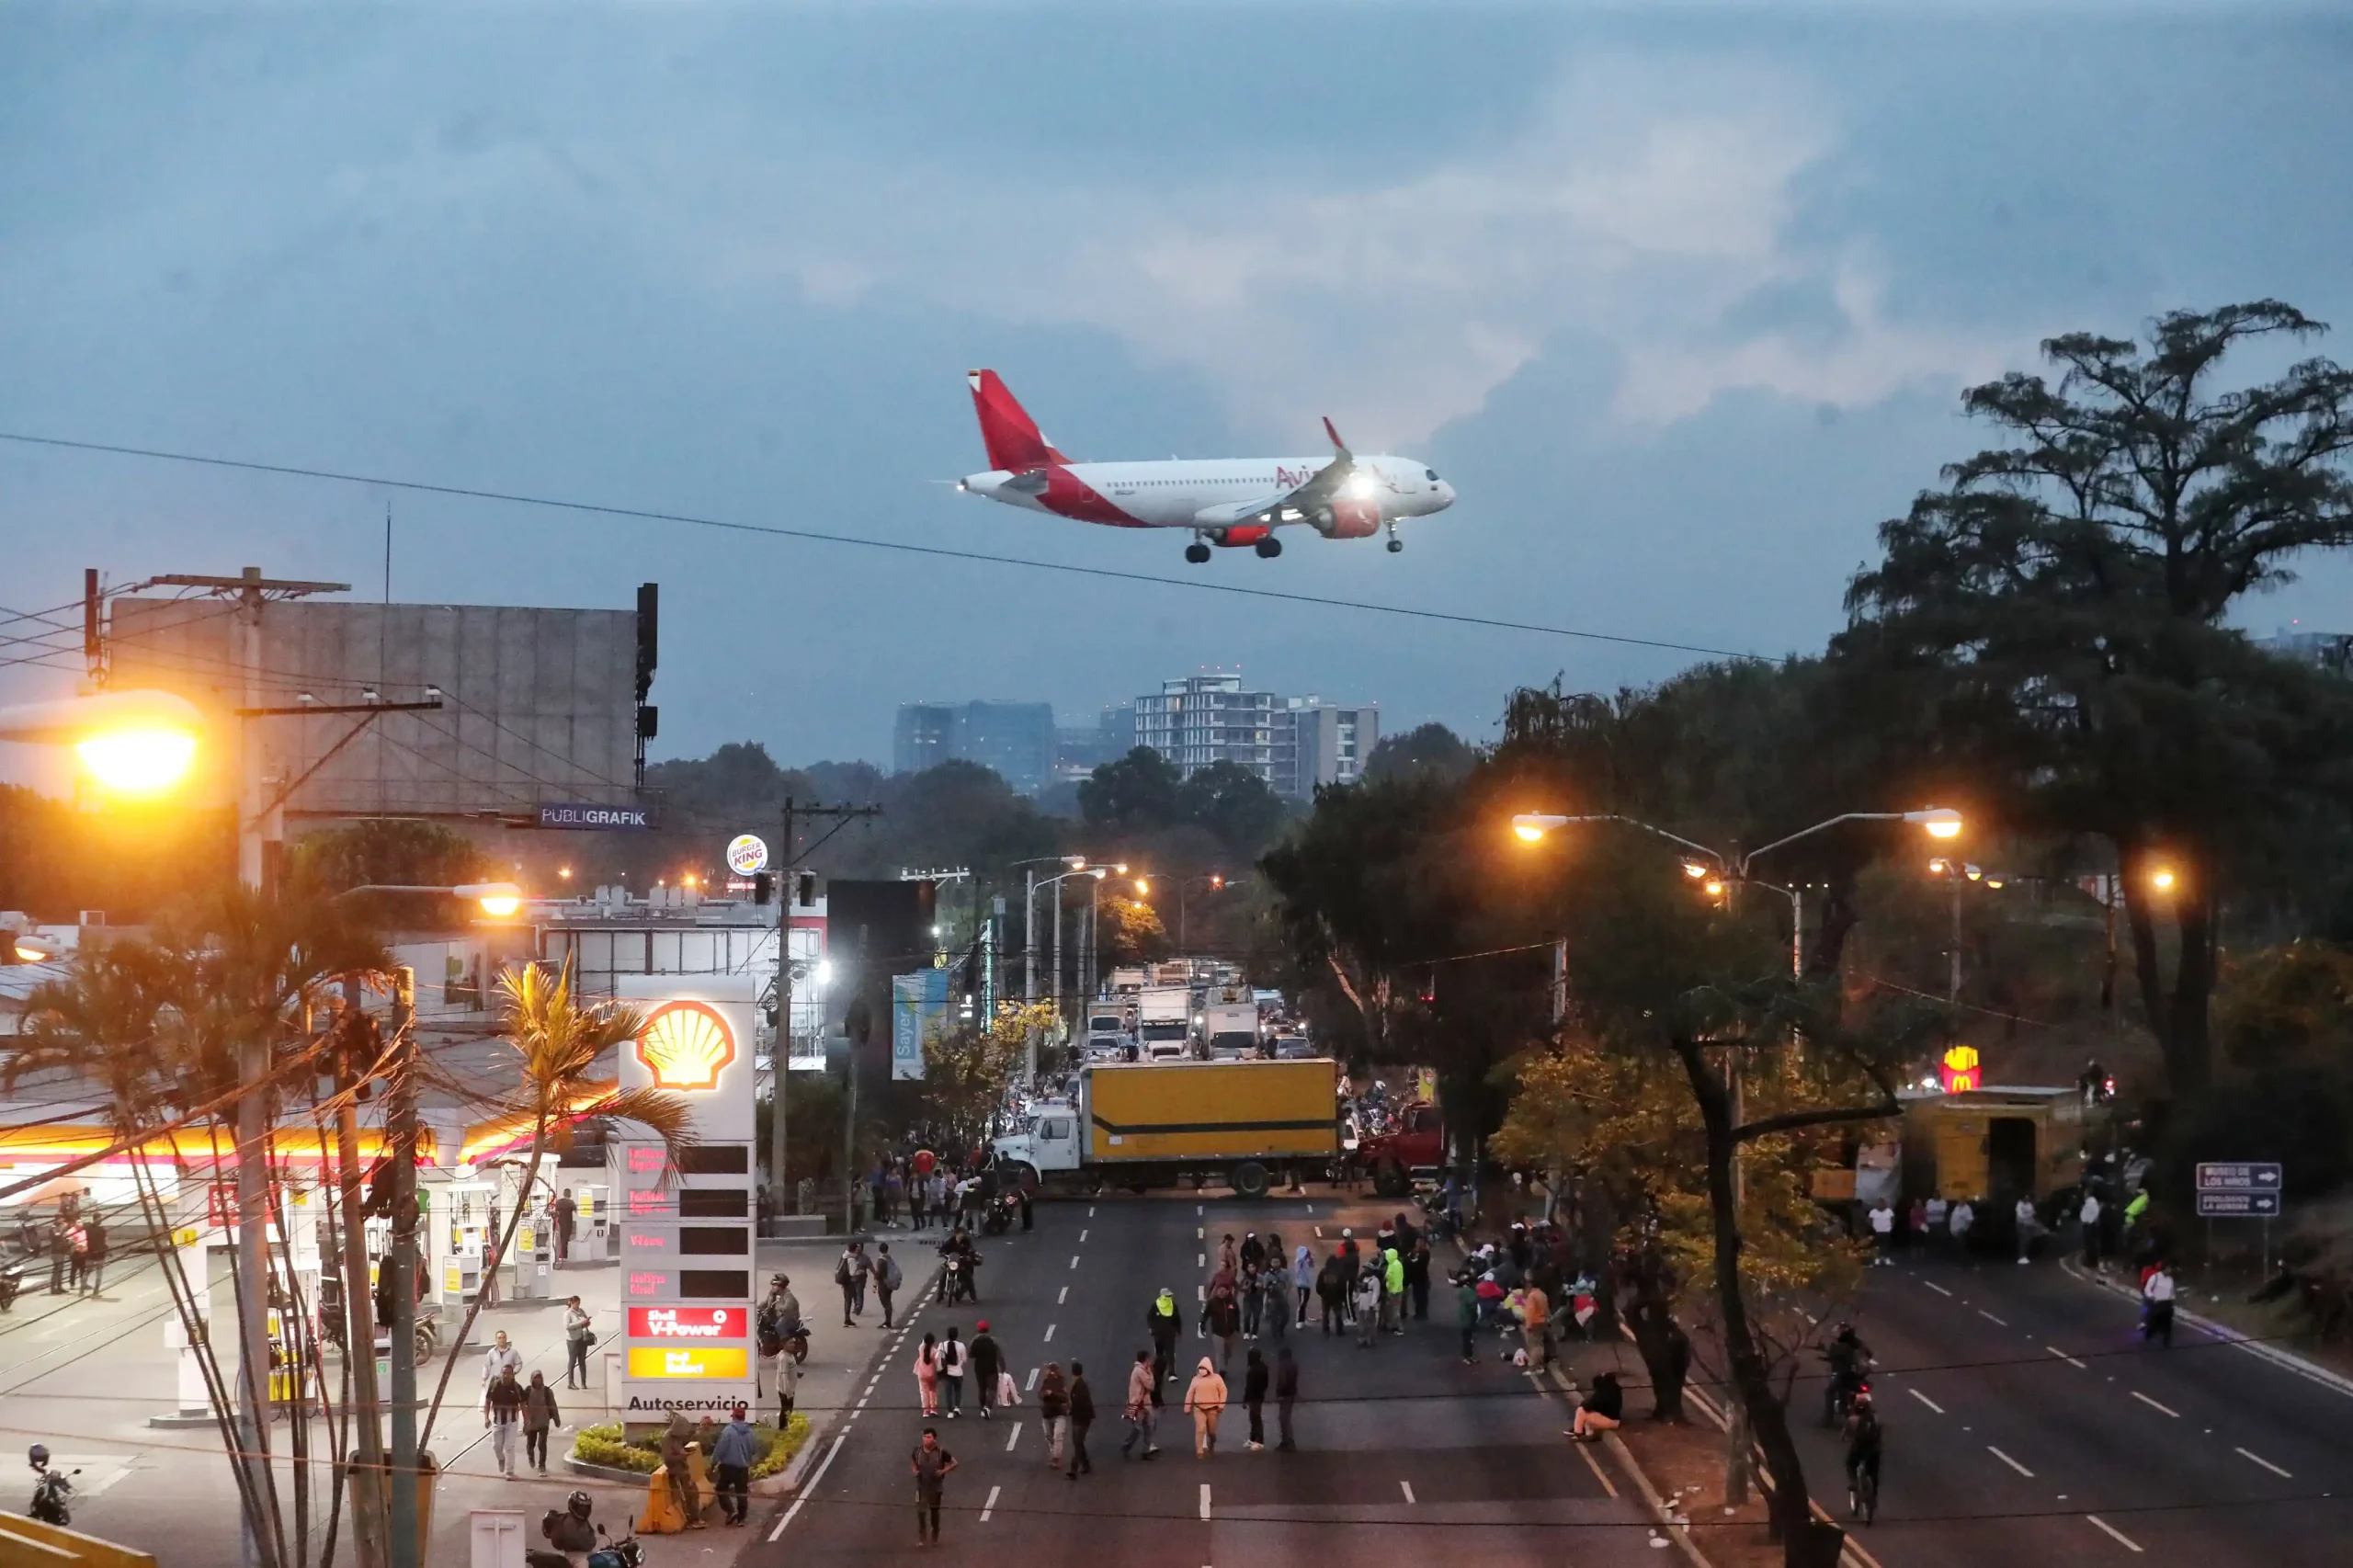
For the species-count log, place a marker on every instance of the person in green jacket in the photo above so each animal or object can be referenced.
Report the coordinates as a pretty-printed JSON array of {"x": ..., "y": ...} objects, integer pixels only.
[
  {"x": 1466, "y": 1316},
  {"x": 1393, "y": 1292}
]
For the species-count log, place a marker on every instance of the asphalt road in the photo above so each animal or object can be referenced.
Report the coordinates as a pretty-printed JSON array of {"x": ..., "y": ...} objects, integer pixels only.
[
  {"x": 1404, "y": 1451},
  {"x": 2028, "y": 1423}
]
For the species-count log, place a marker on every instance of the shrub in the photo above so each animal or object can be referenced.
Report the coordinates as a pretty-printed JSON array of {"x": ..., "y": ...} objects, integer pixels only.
[{"x": 607, "y": 1444}]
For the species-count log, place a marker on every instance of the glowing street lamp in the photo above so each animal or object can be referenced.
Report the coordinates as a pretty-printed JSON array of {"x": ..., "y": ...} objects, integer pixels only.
[
  {"x": 1532, "y": 826},
  {"x": 498, "y": 900},
  {"x": 2162, "y": 879},
  {"x": 1937, "y": 821},
  {"x": 137, "y": 744}
]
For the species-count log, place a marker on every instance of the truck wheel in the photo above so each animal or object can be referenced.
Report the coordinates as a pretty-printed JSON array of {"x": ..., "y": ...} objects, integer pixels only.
[
  {"x": 1390, "y": 1180},
  {"x": 1249, "y": 1179}
]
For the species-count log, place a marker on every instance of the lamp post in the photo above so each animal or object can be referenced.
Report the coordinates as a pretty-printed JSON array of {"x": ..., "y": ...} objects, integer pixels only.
[
  {"x": 1213, "y": 880},
  {"x": 1078, "y": 867}
]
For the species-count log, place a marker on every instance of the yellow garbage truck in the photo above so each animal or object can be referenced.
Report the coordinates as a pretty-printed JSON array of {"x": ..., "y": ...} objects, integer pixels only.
[{"x": 1146, "y": 1124}]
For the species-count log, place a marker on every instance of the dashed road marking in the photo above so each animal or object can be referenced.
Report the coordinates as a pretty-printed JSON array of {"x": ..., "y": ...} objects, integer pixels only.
[
  {"x": 1090, "y": 1211},
  {"x": 1936, "y": 1287},
  {"x": 1989, "y": 1317},
  {"x": 2250, "y": 1454},
  {"x": 2007, "y": 1460},
  {"x": 1063, "y": 1297},
  {"x": 2153, "y": 1404},
  {"x": 986, "y": 1508},
  {"x": 1081, "y": 1238},
  {"x": 1407, "y": 1487},
  {"x": 1073, "y": 1260},
  {"x": 1201, "y": 1233},
  {"x": 1200, "y": 1260},
  {"x": 1050, "y": 1333},
  {"x": 1924, "y": 1399},
  {"x": 2064, "y": 1356},
  {"x": 1032, "y": 1382},
  {"x": 1319, "y": 1233},
  {"x": 2118, "y": 1536},
  {"x": 1199, "y": 1210},
  {"x": 810, "y": 1486},
  {"x": 1013, "y": 1436},
  {"x": 1205, "y": 1499}
]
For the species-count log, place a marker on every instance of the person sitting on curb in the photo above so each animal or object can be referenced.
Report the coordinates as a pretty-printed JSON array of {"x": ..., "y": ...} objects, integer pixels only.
[{"x": 1602, "y": 1411}]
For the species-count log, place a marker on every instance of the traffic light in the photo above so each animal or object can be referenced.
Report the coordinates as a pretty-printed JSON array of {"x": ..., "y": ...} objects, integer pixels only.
[{"x": 763, "y": 886}]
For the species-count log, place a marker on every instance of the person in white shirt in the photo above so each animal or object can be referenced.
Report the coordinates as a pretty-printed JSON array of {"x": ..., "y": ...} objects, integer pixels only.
[
  {"x": 2027, "y": 1225},
  {"x": 2156, "y": 1304},
  {"x": 500, "y": 1357},
  {"x": 1883, "y": 1219},
  {"x": 1938, "y": 1212},
  {"x": 2089, "y": 1218},
  {"x": 1963, "y": 1216}
]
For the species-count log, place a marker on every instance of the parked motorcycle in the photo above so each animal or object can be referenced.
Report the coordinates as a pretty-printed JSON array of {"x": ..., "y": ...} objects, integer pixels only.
[{"x": 11, "y": 1283}]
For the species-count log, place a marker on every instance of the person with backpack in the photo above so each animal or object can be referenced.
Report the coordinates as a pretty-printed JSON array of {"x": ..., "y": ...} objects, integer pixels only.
[
  {"x": 987, "y": 1362},
  {"x": 849, "y": 1272},
  {"x": 953, "y": 1362},
  {"x": 887, "y": 1278}
]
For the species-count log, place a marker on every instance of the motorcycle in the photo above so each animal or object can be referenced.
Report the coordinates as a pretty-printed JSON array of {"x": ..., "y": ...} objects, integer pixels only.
[
  {"x": 623, "y": 1553},
  {"x": 778, "y": 1339},
  {"x": 1838, "y": 1398},
  {"x": 11, "y": 1283},
  {"x": 1001, "y": 1214},
  {"x": 50, "y": 1492},
  {"x": 955, "y": 1280}
]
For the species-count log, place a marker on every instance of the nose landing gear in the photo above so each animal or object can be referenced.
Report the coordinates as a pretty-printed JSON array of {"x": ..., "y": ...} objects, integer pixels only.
[
  {"x": 1395, "y": 544},
  {"x": 1269, "y": 547}
]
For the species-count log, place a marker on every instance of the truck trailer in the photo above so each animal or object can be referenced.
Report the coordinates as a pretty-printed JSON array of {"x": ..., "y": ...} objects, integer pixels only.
[{"x": 1147, "y": 1124}]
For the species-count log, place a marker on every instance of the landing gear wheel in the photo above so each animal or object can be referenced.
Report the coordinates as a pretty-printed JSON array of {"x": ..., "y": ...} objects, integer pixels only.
[
  {"x": 1198, "y": 553},
  {"x": 1249, "y": 1179},
  {"x": 1395, "y": 545},
  {"x": 1269, "y": 547}
]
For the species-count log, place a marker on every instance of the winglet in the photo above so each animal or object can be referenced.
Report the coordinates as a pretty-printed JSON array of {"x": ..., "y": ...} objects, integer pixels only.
[{"x": 1336, "y": 443}]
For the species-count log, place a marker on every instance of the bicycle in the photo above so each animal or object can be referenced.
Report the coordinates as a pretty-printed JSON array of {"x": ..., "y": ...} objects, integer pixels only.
[{"x": 1862, "y": 1493}]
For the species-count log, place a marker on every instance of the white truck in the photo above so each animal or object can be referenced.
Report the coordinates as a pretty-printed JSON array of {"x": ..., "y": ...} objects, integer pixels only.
[
  {"x": 1106, "y": 1028},
  {"x": 1164, "y": 1022},
  {"x": 1232, "y": 1030}
]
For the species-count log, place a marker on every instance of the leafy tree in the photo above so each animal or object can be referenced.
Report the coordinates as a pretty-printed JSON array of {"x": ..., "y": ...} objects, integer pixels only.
[
  {"x": 968, "y": 1067},
  {"x": 1236, "y": 805},
  {"x": 2054, "y": 616},
  {"x": 1428, "y": 749},
  {"x": 387, "y": 852},
  {"x": 1136, "y": 793},
  {"x": 1130, "y": 931}
]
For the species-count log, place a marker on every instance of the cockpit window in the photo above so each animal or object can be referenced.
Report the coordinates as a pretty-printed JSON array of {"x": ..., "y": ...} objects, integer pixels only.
[{"x": 1430, "y": 474}]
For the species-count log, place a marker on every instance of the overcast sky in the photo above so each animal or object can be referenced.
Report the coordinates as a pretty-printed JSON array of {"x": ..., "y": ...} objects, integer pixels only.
[{"x": 1678, "y": 298}]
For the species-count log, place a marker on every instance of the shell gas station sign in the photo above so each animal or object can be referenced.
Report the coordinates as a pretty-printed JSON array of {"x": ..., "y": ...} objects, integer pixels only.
[{"x": 685, "y": 1231}]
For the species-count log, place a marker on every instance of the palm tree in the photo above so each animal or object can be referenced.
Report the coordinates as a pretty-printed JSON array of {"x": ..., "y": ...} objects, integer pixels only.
[{"x": 560, "y": 1042}]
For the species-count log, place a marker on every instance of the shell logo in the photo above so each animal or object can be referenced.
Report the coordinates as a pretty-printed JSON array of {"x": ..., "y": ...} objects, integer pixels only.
[{"x": 686, "y": 1045}]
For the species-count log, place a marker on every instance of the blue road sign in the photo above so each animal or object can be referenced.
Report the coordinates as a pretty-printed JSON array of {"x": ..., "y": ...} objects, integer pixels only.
[
  {"x": 2238, "y": 1205},
  {"x": 2238, "y": 1176}
]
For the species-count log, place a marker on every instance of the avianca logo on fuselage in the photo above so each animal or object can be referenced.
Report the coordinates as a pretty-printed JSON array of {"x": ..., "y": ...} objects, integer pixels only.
[{"x": 1292, "y": 478}]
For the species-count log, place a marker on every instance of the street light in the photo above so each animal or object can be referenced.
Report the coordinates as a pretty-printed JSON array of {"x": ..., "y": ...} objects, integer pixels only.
[
  {"x": 134, "y": 743},
  {"x": 2162, "y": 879},
  {"x": 498, "y": 900}
]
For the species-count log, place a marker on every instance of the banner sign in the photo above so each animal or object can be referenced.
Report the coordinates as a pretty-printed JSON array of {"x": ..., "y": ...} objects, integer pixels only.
[
  {"x": 916, "y": 1001},
  {"x": 580, "y": 815}
]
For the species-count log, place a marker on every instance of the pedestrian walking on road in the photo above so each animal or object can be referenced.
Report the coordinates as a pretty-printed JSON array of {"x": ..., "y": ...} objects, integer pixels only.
[
  {"x": 539, "y": 1414},
  {"x": 567, "y": 1212},
  {"x": 1417, "y": 1277},
  {"x": 1082, "y": 1417},
  {"x": 1166, "y": 1322},
  {"x": 1221, "y": 1318},
  {"x": 1229, "y": 1256},
  {"x": 501, "y": 1358},
  {"x": 503, "y": 1413},
  {"x": 928, "y": 1374},
  {"x": 1250, "y": 1299},
  {"x": 987, "y": 1362},
  {"x": 1205, "y": 1400},
  {"x": 2024, "y": 1217},
  {"x": 931, "y": 1466},
  {"x": 887, "y": 1280},
  {"x": 2156, "y": 1299},
  {"x": 1466, "y": 1314},
  {"x": 1346, "y": 1253},
  {"x": 1143, "y": 1396},
  {"x": 61, "y": 1255},
  {"x": 1393, "y": 1292},
  {"x": 952, "y": 1364},
  {"x": 2089, "y": 1217},
  {"x": 1961, "y": 1219},
  {"x": 1332, "y": 1291},
  {"x": 849, "y": 1272},
  {"x": 1053, "y": 1409},
  {"x": 1302, "y": 1281},
  {"x": 788, "y": 1388},
  {"x": 733, "y": 1455},
  {"x": 1939, "y": 1215},
  {"x": 575, "y": 1344},
  {"x": 1253, "y": 1399},
  {"x": 1286, "y": 1393},
  {"x": 1368, "y": 1306},
  {"x": 93, "y": 1255},
  {"x": 1536, "y": 1326},
  {"x": 1883, "y": 1219}
]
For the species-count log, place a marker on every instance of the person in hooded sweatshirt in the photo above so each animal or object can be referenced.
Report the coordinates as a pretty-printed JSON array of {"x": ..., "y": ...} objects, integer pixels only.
[
  {"x": 1302, "y": 1281},
  {"x": 1205, "y": 1398},
  {"x": 1254, "y": 1398},
  {"x": 1165, "y": 1319}
]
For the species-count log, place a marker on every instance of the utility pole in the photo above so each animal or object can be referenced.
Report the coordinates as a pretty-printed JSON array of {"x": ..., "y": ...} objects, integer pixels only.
[
  {"x": 780, "y": 1189},
  {"x": 406, "y": 1551},
  {"x": 1030, "y": 974},
  {"x": 359, "y": 1303}
]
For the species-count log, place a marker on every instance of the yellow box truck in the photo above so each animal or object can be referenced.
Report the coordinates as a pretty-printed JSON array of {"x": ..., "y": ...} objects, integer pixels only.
[{"x": 1146, "y": 1124}]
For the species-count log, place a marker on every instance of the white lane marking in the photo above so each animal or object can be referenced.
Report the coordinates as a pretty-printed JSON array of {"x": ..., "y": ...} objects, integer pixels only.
[
  {"x": 1063, "y": 1297},
  {"x": 1205, "y": 1499},
  {"x": 1050, "y": 1333},
  {"x": 1408, "y": 1487},
  {"x": 1197, "y": 1208},
  {"x": 2118, "y": 1536},
  {"x": 1319, "y": 1233},
  {"x": 2007, "y": 1460},
  {"x": 2153, "y": 1404},
  {"x": 1924, "y": 1399},
  {"x": 1989, "y": 1317},
  {"x": 1200, "y": 1292},
  {"x": 1936, "y": 1287},
  {"x": 2266, "y": 1463},
  {"x": 990, "y": 1507},
  {"x": 1032, "y": 1382},
  {"x": 1081, "y": 1238},
  {"x": 1090, "y": 1211},
  {"x": 2064, "y": 1356},
  {"x": 1013, "y": 1436},
  {"x": 1200, "y": 1260},
  {"x": 1073, "y": 1260},
  {"x": 811, "y": 1485},
  {"x": 869, "y": 1394}
]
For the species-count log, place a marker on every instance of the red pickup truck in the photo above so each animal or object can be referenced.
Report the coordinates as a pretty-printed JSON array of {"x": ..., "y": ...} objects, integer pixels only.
[{"x": 1417, "y": 1147}]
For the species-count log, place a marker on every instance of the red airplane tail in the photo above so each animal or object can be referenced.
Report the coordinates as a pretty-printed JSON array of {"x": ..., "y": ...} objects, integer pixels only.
[{"x": 1014, "y": 442}]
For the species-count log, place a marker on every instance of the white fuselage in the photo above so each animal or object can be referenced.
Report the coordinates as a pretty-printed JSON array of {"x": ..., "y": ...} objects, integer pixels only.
[{"x": 1208, "y": 494}]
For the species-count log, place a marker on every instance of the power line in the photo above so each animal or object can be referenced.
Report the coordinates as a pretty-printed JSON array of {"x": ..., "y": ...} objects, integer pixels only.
[{"x": 816, "y": 537}]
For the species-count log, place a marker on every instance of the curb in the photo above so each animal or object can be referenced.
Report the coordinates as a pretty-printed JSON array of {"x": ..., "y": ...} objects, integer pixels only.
[{"x": 2287, "y": 1361}]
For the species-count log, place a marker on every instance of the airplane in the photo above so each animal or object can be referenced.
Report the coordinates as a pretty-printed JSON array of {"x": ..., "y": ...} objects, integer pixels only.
[{"x": 1228, "y": 502}]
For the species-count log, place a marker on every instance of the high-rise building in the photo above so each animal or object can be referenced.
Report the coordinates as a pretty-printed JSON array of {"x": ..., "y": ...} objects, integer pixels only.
[
  {"x": 1293, "y": 744},
  {"x": 1016, "y": 739}
]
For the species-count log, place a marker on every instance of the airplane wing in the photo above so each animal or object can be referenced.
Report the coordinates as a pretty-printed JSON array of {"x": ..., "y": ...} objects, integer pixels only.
[{"x": 1314, "y": 502}]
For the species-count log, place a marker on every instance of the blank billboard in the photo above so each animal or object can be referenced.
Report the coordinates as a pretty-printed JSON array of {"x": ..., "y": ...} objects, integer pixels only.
[{"x": 538, "y": 705}]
